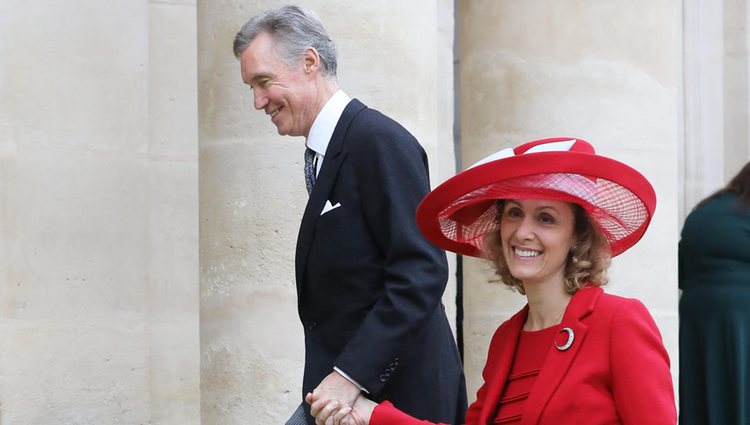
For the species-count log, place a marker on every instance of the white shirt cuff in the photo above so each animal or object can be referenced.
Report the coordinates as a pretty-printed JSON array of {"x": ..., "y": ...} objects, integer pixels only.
[{"x": 349, "y": 378}]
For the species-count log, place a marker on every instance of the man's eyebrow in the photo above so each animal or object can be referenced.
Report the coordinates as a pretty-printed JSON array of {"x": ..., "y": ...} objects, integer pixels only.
[
  {"x": 256, "y": 76},
  {"x": 260, "y": 74}
]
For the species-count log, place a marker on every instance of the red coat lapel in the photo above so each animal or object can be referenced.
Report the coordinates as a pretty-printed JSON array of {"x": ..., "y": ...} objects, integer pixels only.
[
  {"x": 502, "y": 350},
  {"x": 557, "y": 362}
]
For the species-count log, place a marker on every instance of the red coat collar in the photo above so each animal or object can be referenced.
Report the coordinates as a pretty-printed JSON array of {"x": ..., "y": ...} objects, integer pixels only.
[{"x": 556, "y": 364}]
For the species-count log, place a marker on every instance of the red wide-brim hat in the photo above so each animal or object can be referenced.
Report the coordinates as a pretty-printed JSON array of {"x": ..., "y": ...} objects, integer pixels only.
[{"x": 461, "y": 211}]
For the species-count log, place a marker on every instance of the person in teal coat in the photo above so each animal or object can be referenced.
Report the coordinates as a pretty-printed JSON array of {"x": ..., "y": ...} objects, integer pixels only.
[{"x": 714, "y": 275}]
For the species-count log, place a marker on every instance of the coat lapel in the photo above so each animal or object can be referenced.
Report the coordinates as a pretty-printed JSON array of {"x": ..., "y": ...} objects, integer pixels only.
[
  {"x": 334, "y": 157},
  {"x": 557, "y": 363},
  {"x": 501, "y": 365}
]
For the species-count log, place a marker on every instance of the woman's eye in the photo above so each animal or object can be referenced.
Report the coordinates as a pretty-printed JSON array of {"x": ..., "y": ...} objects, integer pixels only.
[
  {"x": 546, "y": 219},
  {"x": 514, "y": 212}
]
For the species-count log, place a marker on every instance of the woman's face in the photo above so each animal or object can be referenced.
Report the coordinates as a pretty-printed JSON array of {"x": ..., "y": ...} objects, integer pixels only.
[{"x": 536, "y": 237}]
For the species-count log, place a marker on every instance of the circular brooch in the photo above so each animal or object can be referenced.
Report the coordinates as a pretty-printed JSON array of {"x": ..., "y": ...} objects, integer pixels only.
[{"x": 569, "y": 342}]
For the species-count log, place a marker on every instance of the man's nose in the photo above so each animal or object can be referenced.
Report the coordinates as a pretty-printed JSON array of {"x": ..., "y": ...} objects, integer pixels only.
[{"x": 260, "y": 99}]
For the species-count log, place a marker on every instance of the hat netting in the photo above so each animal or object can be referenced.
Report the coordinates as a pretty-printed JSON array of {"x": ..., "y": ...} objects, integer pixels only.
[{"x": 617, "y": 211}]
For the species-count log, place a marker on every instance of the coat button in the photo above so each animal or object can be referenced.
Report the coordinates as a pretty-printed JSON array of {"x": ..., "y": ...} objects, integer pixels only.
[
  {"x": 383, "y": 379},
  {"x": 311, "y": 325}
]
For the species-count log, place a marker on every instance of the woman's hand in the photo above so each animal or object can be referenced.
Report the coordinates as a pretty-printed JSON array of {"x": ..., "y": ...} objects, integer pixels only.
[
  {"x": 360, "y": 413},
  {"x": 329, "y": 412}
]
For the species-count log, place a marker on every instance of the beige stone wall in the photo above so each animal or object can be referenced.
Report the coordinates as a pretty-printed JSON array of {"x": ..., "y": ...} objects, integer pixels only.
[
  {"x": 590, "y": 69},
  {"x": 99, "y": 188},
  {"x": 98, "y": 213},
  {"x": 395, "y": 57}
]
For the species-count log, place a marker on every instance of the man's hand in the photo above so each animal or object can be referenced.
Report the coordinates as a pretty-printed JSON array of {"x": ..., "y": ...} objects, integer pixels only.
[{"x": 334, "y": 393}]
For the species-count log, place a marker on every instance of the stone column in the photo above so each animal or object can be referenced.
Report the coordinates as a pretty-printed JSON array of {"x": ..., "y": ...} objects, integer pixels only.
[
  {"x": 173, "y": 290},
  {"x": 716, "y": 97},
  {"x": 395, "y": 57},
  {"x": 736, "y": 93},
  {"x": 703, "y": 152},
  {"x": 98, "y": 213},
  {"x": 598, "y": 70}
]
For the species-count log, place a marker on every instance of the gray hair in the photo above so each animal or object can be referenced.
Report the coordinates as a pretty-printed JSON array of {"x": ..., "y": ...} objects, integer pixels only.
[{"x": 294, "y": 29}]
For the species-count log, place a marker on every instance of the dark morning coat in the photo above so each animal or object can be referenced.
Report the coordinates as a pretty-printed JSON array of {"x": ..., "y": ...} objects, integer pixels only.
[{"x": 369, "y": 285}]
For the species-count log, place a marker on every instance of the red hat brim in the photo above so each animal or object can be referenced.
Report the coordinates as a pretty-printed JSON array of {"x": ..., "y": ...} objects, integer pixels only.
[{"x": 622, "y": 204}]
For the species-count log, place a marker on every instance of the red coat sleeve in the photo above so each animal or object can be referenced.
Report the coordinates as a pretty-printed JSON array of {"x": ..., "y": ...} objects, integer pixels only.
[
  {"x": 386, "y": 414},
  {"x": 641, "y": 380}
]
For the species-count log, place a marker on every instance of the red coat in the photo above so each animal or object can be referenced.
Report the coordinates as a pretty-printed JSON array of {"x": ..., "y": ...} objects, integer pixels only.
[{"x": 615, "y": 372}]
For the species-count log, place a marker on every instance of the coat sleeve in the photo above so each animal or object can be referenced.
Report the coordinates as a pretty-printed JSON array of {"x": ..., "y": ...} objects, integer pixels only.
[
  {"x": 641, "y": 380},
  {"x": 392, "y": 178},
  {"x": 387, "y": 414}
]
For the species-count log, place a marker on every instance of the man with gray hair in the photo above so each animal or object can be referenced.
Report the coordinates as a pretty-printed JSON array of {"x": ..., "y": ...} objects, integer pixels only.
[{"x": 369, "y": 285}]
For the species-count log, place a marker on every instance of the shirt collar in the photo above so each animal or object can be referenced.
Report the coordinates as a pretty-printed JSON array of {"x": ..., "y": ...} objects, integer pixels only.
[{"x": 324, "y": 124}]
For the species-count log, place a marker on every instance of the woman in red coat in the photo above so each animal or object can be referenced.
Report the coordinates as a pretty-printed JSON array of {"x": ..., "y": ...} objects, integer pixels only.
[{"x": 550, "y": 214}]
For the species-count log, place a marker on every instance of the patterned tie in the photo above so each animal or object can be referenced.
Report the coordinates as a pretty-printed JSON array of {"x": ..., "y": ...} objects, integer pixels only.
[{"x": 309, "y": 169}]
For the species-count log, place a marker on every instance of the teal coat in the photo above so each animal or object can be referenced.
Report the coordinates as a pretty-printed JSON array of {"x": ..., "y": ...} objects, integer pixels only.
[{"x": 714, "y": 275}]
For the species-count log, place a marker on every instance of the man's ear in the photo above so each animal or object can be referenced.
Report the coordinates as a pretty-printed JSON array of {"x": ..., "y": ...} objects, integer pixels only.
[{"x": 310, "y": 60}]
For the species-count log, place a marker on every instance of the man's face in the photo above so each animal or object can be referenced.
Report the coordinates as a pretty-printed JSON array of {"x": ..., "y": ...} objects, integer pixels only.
[{"x": 285, "y": 93}]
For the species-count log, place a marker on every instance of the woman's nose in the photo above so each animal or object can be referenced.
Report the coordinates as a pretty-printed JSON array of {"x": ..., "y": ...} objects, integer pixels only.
[{"x": 526, "y": 228}]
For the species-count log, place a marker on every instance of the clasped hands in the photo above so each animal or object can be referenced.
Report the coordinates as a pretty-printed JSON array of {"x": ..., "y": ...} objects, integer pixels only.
[{"x": 336, "y": 401}]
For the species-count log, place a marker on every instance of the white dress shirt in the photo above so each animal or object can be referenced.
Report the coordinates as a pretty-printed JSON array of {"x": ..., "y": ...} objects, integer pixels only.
[{"x": 323, "y": 126}]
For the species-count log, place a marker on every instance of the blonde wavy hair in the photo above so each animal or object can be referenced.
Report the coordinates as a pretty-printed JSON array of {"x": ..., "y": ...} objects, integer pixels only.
[{"x": 586, "y": 265}]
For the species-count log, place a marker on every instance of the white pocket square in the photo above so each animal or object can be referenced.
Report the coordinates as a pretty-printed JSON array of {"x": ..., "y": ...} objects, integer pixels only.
[{"x": 329, "y": 207}]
